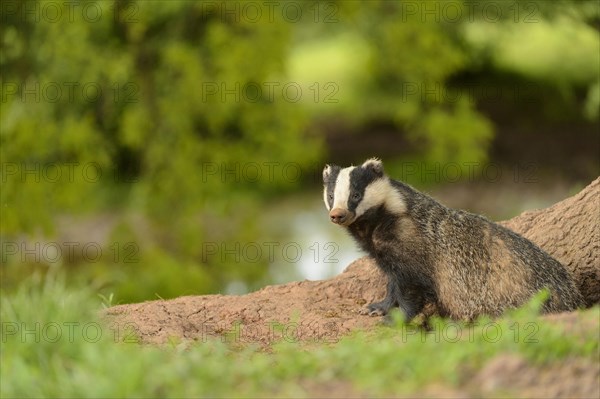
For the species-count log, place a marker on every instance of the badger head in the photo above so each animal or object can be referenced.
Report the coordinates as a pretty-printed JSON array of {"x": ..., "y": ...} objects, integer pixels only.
[{"x": 350, "y": 192}]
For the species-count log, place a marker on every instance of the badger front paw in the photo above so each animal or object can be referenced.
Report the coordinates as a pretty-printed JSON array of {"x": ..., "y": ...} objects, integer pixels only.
[{"x": 376, "y": 309}]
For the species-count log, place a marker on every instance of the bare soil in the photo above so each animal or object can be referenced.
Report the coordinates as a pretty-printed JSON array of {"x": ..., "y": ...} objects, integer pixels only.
[{"x": 324, "y": 311}]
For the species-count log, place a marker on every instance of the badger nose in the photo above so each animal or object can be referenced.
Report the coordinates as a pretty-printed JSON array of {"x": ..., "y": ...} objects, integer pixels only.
[{"x": 338, "y": 215}]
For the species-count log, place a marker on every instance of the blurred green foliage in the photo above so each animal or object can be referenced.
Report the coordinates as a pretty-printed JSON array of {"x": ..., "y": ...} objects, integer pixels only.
[
  {"x": 135, "y": 129},
  {"x": 148, "y": 112}
]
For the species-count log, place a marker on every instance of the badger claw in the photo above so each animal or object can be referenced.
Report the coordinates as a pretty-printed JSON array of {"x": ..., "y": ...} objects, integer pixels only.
[
  {"x": 375, "y": 309},
  {"x": 377, "y": 312}
]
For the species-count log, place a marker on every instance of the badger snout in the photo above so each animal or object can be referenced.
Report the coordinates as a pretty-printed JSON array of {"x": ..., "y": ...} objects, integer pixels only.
[{"x": 339, "y": 216}]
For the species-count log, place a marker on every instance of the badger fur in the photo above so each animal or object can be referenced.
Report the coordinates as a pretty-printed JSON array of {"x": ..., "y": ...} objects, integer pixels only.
[{"x": 462, "y": 263}]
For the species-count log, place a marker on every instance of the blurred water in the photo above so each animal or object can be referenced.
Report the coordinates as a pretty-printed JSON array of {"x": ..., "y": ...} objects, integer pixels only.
[{"x": 317, "y": 249}]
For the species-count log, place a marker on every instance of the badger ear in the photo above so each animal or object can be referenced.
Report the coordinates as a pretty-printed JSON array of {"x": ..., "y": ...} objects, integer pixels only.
[
  {"x": 375, "y": 165},
  {"x": 326, "y": 174}
]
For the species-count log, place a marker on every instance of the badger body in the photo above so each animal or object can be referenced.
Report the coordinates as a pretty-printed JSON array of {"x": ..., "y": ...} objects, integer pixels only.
[{"x": 462, "y": 263}]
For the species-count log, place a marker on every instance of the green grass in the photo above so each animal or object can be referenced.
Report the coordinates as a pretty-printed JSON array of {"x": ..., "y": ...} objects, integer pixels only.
[{"x": 85, "y": 361}]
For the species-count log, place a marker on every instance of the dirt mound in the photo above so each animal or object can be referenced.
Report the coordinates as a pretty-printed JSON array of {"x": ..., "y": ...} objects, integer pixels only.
[
  {"x": 307, "y": 310},
  {"x": 513, "y": 375},
  {"x": 323, "y": 311}
]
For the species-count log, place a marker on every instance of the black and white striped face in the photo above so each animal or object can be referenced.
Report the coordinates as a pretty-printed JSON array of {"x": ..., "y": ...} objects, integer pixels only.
[{"x": 350, "y": 192}]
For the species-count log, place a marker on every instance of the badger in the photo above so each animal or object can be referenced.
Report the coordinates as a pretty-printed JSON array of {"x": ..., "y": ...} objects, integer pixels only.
[{"x": 462, "y": 263}]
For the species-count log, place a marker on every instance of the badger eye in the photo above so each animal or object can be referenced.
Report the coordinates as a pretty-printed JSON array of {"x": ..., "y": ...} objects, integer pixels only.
[
  {"x": 330, "y": 196},
  {"x": 356, "y": 196}
]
